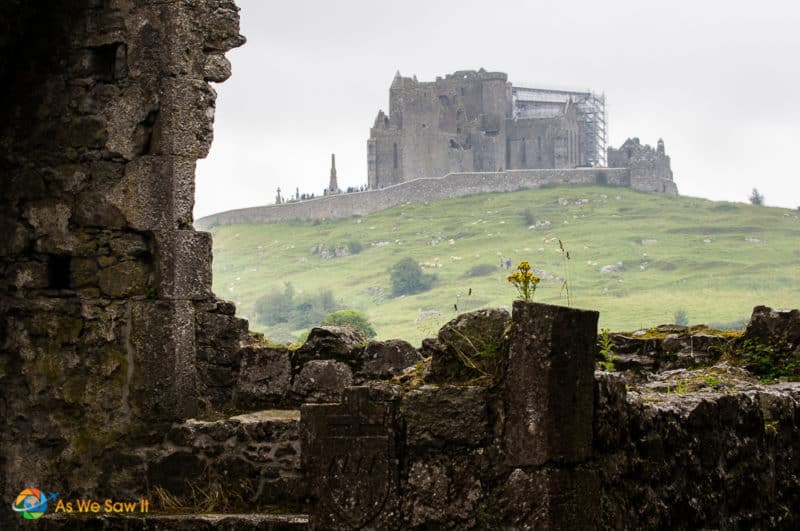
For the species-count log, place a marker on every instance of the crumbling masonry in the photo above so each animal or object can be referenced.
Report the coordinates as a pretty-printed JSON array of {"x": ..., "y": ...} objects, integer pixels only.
[{"x": 122, "y": 375}]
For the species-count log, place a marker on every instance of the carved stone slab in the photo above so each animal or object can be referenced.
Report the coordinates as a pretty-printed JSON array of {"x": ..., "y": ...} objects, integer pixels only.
[{"x": 349, "y": 453}]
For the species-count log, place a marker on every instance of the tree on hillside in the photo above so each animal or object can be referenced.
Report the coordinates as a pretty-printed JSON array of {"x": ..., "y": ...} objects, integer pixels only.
[
  {"x": 407, "y": 278},
  {"x": 352, "y": 318},
  {"x": 756, "y": 198}
]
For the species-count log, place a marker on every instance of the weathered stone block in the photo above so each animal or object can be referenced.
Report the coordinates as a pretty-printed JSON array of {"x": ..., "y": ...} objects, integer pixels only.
[
  {"x": 156, "y": 193},
  {"x": 769, "y": 326},
  {"x": 265, "y": 377},
  {"x": 183, "y": 264},
  {"x": 322, "y": 381},
  {"x": 440, "y": 417},
  {"x": 477, "y": 336},
  {"x": 162, "y": 351},
  {"x": 123, "y": 279},
  {"x": 384, "y": 359},
  {"x": 185, "y": 126},
  {"x": 348, "y": 451},
  {"x": 331, "y": 342},
  {"x": 548, "y": 498},
  {"x": 549, "y": 384}
]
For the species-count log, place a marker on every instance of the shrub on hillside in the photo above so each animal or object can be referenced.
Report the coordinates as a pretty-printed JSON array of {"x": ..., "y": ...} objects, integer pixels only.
[
  {"x": 480, "y": 270},
  {"x": 407, "y": 278},
  {"x": 355, "y": 246},
  {"x": 352, "y": 318},
  {"x": 529, "y": 218}
]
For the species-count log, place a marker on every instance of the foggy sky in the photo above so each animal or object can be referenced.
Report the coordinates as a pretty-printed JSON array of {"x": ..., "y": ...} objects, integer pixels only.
[{"x": 717, "y": 80}]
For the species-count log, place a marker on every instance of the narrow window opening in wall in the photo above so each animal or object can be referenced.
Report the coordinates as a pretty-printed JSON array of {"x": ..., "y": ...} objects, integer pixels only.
[
  {"x": 508, "y": 152},
  {"x": 463, "y": 91},
  {"x": 444, "y": 100},
  {"x": 394, "y": 155},
  {"x": 458, "y": 130},
  {"x": 109, "y": 62},
  {"x": 524, "y": 153},
  {"x": 630, "y": 152},
  {"x": 539, "y": 145},
  {"x": 58, "y": 271}
]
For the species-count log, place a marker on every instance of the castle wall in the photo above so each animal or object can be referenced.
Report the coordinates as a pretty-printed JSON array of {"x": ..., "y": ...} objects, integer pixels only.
[
  {"x": 463, "y": 123},
  {"x": 650, "y": 168},
  {"x": 417, "y": 191},
  {"x": 106, "y": 107}
]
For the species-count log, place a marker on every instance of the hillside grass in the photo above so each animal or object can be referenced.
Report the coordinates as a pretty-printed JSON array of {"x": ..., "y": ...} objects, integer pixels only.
[{"x": 715, "y": 260}]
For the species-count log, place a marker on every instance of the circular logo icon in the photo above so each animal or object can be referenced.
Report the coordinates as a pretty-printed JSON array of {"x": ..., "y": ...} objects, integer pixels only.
[{"x": 31, "y": 503}]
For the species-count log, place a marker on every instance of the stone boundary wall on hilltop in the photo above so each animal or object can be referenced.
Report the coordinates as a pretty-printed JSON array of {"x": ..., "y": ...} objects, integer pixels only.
[{"x": 416, "y": 191}]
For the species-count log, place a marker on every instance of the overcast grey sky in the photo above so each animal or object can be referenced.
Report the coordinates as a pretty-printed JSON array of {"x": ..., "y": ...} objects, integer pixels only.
[{"x": 718, "y": 80}]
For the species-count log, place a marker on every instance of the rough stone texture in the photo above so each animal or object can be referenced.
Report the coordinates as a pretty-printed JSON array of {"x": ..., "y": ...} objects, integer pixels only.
[
  {"x": 254, "y": 457},
  {"x": 164, "y": 378},
  {"x": 419, "y": 190},
  {"x": 697, "y": 460},
  {"x": 341, "y": 343},
  {"x": 384, "y": 359},
  {"x": 321, "y": 381},
  {"x": 775, "y": 326},
  {"x": 220, "y": 338},
  {"x": 676, "y": 347},
  {"x": 547, "y": 498},
  {"x": 436, "y": 416},
  {"x": 106, "y": 108},
  {"x": 265, "y": 377},
  {"x": 548, "y": 384},
  {"x": 350, "y": 456},
  {"x": 476, "y": 333},
  {"x": 183, "y": 264}
]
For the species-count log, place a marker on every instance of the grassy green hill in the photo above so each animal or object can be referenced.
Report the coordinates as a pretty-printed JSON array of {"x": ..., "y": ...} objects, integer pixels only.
[{"x": 713, "y": 260}]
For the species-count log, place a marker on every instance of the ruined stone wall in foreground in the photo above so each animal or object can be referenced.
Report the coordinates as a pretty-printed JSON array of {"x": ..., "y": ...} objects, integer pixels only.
[
  {"x": 106, "y": 106},
  {"x": 552, "y": 445}
]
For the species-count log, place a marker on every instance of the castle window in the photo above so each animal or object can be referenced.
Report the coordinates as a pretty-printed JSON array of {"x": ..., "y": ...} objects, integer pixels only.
[
  {"x": 394, "y": 155},
  {"x": 524, "y": 153},
  {"x": 444, "y": 100},
  {"x": 539, "y": 145},
  {"x": 463, "y": 91}
]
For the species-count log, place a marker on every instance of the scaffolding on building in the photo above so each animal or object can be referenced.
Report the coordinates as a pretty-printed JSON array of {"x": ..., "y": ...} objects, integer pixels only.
[{"x": 591, "y": 107}]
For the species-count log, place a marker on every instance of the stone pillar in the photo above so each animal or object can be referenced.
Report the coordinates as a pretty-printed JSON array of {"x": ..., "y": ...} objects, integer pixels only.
[
  {"x": 161, "y": 350},
  {"x": 549, "y": 400},
  {"x": 350, "y": 458},
  {"x": 548, "y": 384}
]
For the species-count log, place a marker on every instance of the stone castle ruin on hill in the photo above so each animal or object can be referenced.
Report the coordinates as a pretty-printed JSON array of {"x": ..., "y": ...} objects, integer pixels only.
[
  {"x": 473, "y": 132},
  {"x": 124, "y": 377}
]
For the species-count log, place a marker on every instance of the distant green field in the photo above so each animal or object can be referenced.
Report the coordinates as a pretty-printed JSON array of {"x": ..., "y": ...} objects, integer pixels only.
[{"x": 714, "y": 260}]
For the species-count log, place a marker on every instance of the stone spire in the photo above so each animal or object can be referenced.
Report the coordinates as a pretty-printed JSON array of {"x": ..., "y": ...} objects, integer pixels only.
[{"x": 333, "y": 187}]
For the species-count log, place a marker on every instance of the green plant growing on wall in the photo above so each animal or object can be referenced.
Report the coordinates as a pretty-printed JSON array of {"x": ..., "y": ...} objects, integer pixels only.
[
  {"x": 606, "y": 345},
  {"x": 524, "y": 281},
  {"x": 767, "y": 361}
]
